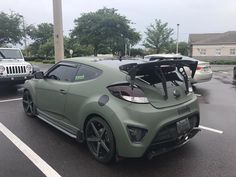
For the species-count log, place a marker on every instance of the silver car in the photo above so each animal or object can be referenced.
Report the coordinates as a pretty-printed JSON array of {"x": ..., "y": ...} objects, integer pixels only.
[{"x": 203, "y": 72}]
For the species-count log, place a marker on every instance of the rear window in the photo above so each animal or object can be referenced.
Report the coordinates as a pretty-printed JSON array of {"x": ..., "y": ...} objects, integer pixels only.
[{"x": 86, "y": 72}]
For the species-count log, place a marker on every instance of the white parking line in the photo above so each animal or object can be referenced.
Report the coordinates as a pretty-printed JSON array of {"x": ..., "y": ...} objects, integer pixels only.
[
  {"x": 9, "y": 100},
  {"x": 224, "y": 72},
  {"x": 210, "y": 129},
  {"x": 38, "y": 161}
]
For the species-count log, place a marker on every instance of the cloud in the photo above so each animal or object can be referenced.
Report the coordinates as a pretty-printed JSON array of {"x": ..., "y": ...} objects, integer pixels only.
[{"x": 195, "y": 16}]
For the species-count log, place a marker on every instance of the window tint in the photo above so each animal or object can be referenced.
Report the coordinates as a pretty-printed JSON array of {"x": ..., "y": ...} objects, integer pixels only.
[
  {"x": 63, "y": 73},
  {"x": 86, "y": 73},
  {"x": 10, "y": 54}
]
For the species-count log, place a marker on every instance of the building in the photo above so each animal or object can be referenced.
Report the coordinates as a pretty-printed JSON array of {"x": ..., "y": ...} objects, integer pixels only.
[{"x": 213, "y": 46}]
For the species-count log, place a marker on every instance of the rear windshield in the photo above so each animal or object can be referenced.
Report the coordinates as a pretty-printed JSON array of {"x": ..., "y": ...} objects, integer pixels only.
[{"x": 10, "y": 54}]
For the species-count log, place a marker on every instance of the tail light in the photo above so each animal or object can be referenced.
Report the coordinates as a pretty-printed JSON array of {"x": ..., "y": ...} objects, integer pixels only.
[
  {"x": 128, "y": 93},
  {"x": 199, "y": 68}
]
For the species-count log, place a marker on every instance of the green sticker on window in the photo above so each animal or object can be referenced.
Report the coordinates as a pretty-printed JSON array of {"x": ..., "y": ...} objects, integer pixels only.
[{"x": 78, "y": 78}]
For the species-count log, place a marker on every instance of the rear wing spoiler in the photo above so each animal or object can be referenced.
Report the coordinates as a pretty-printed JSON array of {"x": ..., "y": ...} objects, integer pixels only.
[
  {"x": 161, "y": 69},
  {"x": 152, "y": 58}
]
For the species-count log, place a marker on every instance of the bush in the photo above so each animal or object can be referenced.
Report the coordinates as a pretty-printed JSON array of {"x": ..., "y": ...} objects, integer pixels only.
[
  {"x": 223, "y": 62},
  {"x": 48, "y": 61},
  {"x": 30, "y": 58},
  {"x": 38, "y": 60}
]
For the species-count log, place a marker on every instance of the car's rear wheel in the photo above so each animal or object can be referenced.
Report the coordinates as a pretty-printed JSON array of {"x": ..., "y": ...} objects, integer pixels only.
[
  {"x": 28, "y": 104},
  {"x": 100, "y": 139}
]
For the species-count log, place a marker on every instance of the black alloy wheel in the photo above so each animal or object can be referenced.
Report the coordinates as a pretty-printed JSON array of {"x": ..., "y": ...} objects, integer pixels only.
[
  {"x": 100, "y": 139},
  {"x": 28, "y": 104}
]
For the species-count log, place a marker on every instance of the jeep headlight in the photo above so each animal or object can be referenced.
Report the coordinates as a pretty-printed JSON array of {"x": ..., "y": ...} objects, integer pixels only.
[
  {"x": 136, "y": 134},
  {"x": 28, "y": 67},
  {"x": 2, "y": 69}
]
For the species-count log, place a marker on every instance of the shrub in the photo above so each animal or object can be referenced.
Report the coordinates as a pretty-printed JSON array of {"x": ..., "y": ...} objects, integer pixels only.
[
  {"x": 38, "y": 60},
  {"x": 48, "y": 61},
  {"x": 223, "y": 62}
]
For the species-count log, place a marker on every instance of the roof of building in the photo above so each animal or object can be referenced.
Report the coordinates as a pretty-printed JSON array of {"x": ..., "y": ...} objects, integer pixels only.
[{"x": 213, "y": 38}]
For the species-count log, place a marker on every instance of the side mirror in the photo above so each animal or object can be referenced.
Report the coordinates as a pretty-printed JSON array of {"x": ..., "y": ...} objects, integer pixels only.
[
  {"x": 39, "y": 75},
  {"x": 35, "y": 69}
]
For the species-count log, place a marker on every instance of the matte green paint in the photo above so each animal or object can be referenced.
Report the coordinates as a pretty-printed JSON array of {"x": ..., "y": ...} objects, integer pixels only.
[{"x": 71, "y": 110}]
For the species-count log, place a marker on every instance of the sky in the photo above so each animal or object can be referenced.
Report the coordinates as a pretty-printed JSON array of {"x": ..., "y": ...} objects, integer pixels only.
[{"x": 194, "y": 16}]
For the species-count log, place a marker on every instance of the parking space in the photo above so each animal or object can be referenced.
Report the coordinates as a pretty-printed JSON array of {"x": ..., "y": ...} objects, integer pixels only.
[
  {"x": 14, "y": 162},
  {"x": 210, "y": 153}
]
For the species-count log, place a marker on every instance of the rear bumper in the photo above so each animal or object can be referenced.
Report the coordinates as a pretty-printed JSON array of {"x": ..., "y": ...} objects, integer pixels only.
[
  {"x": 160, "y": 148},
  {"x": 15, "y": 79},
  {"x": 162, "y": 140},
  {"x": 147, "y": 117},
  {"x": 202, "y": 77}
]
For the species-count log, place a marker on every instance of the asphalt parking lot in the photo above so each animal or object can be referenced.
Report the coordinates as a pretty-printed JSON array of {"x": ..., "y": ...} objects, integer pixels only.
[{"x": 30, "y": 147}]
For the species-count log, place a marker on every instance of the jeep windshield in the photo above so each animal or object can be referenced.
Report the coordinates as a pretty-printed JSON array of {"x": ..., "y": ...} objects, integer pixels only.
[{"x": 10, "y": 54}]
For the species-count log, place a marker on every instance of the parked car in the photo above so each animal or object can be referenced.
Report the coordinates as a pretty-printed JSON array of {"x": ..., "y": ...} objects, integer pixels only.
[
  {"x": 13, "y": 68},
  {"x": 127, "y": 108},
  {"x": 203, "y": 72}
]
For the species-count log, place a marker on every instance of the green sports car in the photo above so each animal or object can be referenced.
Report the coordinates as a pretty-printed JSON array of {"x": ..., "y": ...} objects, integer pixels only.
[{"x": 120, "y": 108}]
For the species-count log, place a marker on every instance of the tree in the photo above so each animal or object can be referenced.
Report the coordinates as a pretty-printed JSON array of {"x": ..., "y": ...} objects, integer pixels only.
[
  {"x": 182, "y": 48},
  {"x": 78, "y": 49},
  {"x": 158, "y": 36},
  {"x": 104, "y": 30},
  {"x": 42, "y": 35},
  {"x": 10, "y": 29},
  {"x": 137, "y": 52}
]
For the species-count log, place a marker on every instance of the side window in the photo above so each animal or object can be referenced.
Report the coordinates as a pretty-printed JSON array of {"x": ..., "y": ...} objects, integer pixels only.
[
  {"x": 86, "y": 73},
  {"x": 63, "y": 73}
]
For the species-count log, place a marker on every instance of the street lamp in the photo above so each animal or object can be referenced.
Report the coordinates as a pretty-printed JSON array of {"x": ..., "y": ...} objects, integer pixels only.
[
  {"x": 24, "y": 34},
  {"x": 177, "y": 40},
  {"x": 58, "y": 30}
]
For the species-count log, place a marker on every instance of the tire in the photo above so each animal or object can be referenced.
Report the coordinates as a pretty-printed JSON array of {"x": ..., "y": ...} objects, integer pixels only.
[
  {"x": 100, "y": 139},
  {"x": 28, "y": 104}
]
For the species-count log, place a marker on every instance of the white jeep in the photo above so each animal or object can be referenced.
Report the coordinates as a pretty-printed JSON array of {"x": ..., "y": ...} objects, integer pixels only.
[{"x": 13, "y": 68}]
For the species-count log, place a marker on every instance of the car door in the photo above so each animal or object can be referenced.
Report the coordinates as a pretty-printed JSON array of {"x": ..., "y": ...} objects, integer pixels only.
[
  {"x": 83, "y": 88},
  {"x": 51, "y": 92}
]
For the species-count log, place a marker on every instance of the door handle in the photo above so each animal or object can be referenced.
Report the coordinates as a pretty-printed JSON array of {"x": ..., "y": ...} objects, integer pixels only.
[{"x": 62, "y": 91}]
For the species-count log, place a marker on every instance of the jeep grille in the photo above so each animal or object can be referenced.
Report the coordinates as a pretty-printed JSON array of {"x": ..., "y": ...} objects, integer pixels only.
[{"x": 16, "y": 69}]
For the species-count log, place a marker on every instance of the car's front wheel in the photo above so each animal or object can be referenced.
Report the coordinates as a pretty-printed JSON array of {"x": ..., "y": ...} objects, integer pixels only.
[
  {"x": 28, "y": 104},
  {"x": 100, "y": 139}
]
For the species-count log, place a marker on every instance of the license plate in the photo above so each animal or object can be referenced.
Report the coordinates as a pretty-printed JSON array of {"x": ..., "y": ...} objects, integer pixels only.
[
  {"x": 206, "y": 68},
  {"x": 183, "y": 126}
]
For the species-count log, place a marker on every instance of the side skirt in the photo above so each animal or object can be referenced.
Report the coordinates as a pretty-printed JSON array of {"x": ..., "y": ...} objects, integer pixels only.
[{"x": 78, "y": 135}]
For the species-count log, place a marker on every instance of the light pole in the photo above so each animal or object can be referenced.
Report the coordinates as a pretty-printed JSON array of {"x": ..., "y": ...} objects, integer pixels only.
[
  {"x": 58, "y": 30},
  {"x": 177, "y": 40},
  {"x": 24, "y": 34}
]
